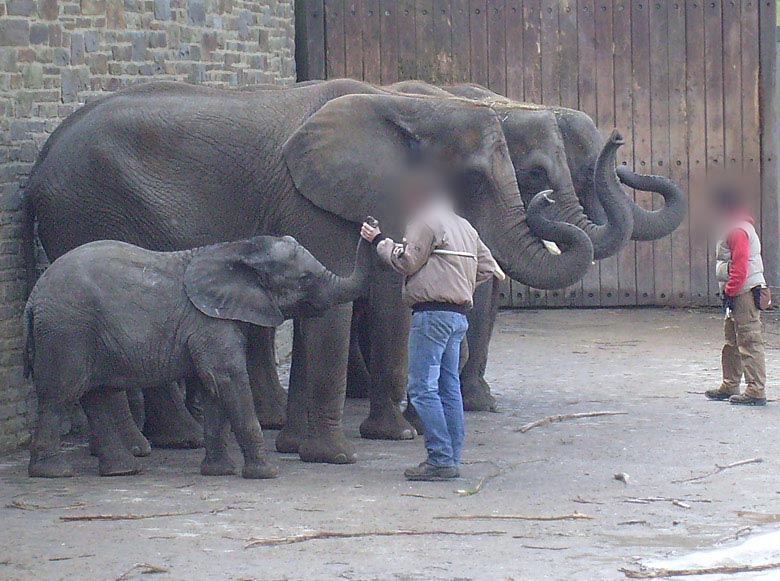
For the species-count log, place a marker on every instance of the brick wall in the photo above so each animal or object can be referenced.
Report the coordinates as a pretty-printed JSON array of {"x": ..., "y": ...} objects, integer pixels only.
[{"x": 56, "y": 54}]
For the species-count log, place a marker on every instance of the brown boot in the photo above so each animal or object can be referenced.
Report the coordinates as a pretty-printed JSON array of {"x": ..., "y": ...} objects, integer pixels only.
[
  {"x": 719, "y": 394},
  {"x": 747, "y": 400}
]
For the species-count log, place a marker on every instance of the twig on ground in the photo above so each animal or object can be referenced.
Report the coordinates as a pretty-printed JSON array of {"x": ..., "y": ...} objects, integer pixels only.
[
  {"x": 21, "y": 505},
  {"x": 143, "y": 569},
  {"x": 275, "y": 541},
  {"x": 681, "y": 504},
  {"x": 632, "y": 522},
  {"x": 482, "y": 481},
  {"x": 415, "y": 495},
  {"x": 572, "y": 516},
  {"x": 735, "y": 536},
  {"x": 563, "y": 417},
  {"x": 580, "y": 500},
  {"x": 56, "y": 559},
  {"x": 540, "y": 548},
  {"x": 723, "y": 570},
  {"x": 762, "y": 517},
  {"x": 90, "y": 517},
  {"x": 649, "y": 499},
  {"x": 719, "y": 469}
]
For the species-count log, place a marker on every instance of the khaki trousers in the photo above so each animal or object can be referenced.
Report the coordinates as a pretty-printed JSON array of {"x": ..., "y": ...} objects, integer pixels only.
[{"x": 743, "y": 353}]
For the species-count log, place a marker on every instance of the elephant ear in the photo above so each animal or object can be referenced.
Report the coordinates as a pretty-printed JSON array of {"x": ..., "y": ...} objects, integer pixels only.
[
  {"x": 345, "y": 155},
  {"x": 222, "y": 283}
]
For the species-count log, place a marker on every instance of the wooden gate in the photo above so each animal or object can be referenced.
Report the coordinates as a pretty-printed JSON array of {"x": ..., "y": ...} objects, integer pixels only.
[{"x": 685, "y": 81}]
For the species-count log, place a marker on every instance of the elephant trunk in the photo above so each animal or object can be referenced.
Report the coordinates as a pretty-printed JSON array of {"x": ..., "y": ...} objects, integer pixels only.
[
  {"x": 523, "y": 256},
  {"x": 343, "y": 289},
  {"x": 614, "y": 234},
  {"x": 655, "y": 224}
]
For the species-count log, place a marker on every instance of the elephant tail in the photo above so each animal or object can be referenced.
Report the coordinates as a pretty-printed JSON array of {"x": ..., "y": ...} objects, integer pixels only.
[
  {"x": 29, "y": 341},
  {"x": 28, "y": 241}
]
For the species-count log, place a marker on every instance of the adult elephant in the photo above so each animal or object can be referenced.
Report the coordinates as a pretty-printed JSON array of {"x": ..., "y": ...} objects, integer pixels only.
[
  {"x": 583, "y": 145},
  {"x": 178, "y": 166}
]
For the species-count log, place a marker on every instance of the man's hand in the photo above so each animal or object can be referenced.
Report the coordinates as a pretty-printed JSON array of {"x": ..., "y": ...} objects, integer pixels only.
[{"x": 369, "y": 232}]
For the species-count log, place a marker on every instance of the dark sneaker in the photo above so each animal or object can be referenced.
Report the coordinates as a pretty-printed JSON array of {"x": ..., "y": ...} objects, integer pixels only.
[
  {"x": 717, "y": 395},
  {"x": 747, "y": 400},
  {"x": 429, "y": 472}
]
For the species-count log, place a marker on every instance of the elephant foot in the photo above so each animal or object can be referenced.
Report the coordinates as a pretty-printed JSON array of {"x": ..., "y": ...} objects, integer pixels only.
[
  {"x": 331, "y": 449},
  {"x": 388, "y": 425},
  {"x": 177, "y": 437},
  {"x": 477, "y": 396},
  {"x": 272, "y": 411},
  {"x": 51, "y": 467},
  {"x": 218, "y": 467},
  {"x": 136, "y": 444},
  {"x": 140, "y": 448},
  {"x": 259, "y": 470},
  {"x": 118, "y": 466},
  {"x": 288, "y": 441},
  {"x": 411, "y": 416}
]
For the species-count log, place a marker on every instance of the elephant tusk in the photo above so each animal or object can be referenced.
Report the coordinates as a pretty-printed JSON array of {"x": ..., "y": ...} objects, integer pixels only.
[
  {"x": 552, "y": 248},
  {"x": 500, "y": 274}
]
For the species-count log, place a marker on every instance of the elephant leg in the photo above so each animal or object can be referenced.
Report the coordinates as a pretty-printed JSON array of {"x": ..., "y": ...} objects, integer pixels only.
[
  {"x": 288, "y": 441},
  {"x": 193, "y": 399},
  {"x": 135, "y": 399},
  {"x": 233, "y": 399},
  {"x": 134, "y": 441},
  {"x": 325, "y": 348},
  {"x": 114, "y": 459},
  {"x": 46, "y": 459},
  {"x": 389, "y": 322},
  {"x": 168, "y": 423},
  {"x": 475, "y": 390},
  {"x": 267, "y": 391},
  {"x": 358, "y": 377},
  {"x": 216, "y": 429}
]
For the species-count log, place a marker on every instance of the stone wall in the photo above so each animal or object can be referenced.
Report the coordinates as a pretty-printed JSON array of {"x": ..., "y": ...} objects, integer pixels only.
[{"x": 56, "y": 54}]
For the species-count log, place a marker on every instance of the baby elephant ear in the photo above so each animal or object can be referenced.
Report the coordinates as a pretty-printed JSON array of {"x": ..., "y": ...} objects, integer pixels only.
[{"x": 222, "y": 285}]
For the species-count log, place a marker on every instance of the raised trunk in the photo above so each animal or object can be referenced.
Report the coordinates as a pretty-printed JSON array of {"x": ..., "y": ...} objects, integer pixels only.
[
  {"x": 523, "y": 256},
  {"x": 655, "y": 224},
  {"x": 347, "y": 289},
  {"x": 610, "y": 237}
]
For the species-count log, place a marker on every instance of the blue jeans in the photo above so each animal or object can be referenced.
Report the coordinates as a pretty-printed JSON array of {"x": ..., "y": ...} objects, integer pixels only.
[{"x": 434, "y": 382}]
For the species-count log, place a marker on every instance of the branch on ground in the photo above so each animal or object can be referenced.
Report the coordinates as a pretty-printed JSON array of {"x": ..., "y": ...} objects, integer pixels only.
[
  {"x": 564, "y": 417},
  {"x": 275, "y": 541}
]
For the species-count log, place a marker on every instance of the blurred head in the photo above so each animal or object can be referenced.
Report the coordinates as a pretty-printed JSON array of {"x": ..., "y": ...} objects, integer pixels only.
[
  {"x": 421, "y": 186},
  {"x": 729, "y": 197}
]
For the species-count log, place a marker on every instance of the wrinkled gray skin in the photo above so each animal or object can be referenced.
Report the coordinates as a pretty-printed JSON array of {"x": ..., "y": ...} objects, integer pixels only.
[
  {"x": 583, "y": 145},
  {"x": 538, "y": 152},
  {"x": 109, "y": 315},
  {"x": 311, "y": 162},
  {"x": 604, "y": 217}
]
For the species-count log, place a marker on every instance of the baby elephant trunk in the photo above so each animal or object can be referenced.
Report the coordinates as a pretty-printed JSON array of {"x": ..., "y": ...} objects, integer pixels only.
[{"x": 347, "y": 289}]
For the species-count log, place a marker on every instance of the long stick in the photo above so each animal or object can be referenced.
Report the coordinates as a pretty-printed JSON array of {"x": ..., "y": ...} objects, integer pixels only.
[
  {"x": 563, "y": 417},
  {"x": 726, "y": 569},
  {"x": 719, "y": 469},
  {"x": 88, "y": 517},
  {"x": 275, "y": 541},
  {"x": 573, "y": 516}
]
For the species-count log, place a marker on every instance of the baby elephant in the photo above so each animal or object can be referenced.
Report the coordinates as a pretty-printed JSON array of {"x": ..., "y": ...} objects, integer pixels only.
[{"x": 109, "y": 315}]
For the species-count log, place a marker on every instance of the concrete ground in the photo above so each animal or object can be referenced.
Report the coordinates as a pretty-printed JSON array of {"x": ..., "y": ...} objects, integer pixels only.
[{"x": 652, "y": 364}]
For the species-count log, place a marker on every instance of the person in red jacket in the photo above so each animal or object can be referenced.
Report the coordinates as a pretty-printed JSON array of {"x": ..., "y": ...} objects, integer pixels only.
[{"x": 740, "y": 273}]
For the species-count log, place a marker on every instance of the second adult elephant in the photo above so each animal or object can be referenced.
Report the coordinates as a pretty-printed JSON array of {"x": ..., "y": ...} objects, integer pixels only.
[{"x": 311, "y": 163}]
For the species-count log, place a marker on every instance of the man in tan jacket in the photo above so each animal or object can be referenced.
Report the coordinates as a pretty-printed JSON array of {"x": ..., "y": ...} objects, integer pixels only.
[{"x": 443, "y": 261}]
